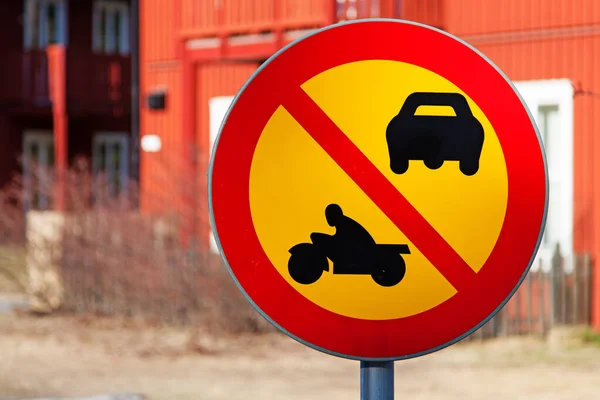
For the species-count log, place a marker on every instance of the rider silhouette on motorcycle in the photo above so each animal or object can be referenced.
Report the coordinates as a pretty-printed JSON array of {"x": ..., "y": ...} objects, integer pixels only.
[{"x": 351, "y": 245}]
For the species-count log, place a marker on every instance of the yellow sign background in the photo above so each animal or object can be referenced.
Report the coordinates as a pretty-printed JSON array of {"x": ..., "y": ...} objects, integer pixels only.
[{"x": 292, "y": 180}]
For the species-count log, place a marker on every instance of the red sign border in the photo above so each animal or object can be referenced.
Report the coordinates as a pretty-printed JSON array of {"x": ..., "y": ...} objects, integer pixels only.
[{"x": 273, "y": 297}]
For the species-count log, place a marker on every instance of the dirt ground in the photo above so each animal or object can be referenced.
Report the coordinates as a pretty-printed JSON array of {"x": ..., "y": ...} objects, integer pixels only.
[{"x": 80, "y": 356}]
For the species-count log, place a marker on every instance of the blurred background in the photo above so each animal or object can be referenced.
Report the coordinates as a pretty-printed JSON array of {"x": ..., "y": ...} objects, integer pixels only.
[{"x": 110, "y": 280}]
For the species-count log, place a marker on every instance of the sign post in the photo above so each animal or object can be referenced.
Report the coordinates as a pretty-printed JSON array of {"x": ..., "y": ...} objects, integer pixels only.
[
  {"x": 376, "y": 380},
  {"x": 378, "y": 191}
]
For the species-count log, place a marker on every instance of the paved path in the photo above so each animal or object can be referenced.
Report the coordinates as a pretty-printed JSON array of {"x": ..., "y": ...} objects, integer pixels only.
[{"x": 123, "y": 396}]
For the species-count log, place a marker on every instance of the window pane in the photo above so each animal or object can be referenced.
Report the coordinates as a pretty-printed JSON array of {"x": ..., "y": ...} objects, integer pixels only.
[
  {"x": 34, "y": 153},
  {"x": 34, "y": 24},
  {"x": 102, "y": 158},
  {"x": 118, "y": 31},
  {"x": 51, "y": 154},
  {"x": 102, "y": 27},
  {"x": 111, "y": 27},
  {"x": 110, "y": 158},
  {"x": 51, "y": 31}
]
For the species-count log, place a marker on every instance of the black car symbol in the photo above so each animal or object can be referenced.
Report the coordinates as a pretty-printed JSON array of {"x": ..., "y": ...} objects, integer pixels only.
[{"x": 432, "y": 138}]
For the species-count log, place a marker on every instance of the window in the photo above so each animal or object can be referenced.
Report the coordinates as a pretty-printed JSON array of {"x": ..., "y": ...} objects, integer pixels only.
[
  {"x": 110, "y": 156},
  {"x": 218, "y": 107},
  {"x": 45, "y": 23},
  {"x": 38, "y": 163},
  {"x": 110, "y": 25},
  {"x": 551, "y": 104}
]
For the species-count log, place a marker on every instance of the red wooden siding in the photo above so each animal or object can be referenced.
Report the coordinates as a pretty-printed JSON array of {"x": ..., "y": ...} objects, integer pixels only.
[
  {"x": 470, "y": 17},
  {"x": 228, "y": 17},
  {"x": 548, "y": 59},
  {"x": 430, "y": 12},
  {"x": 212, "y": 80},
  {"x": 527, "y": 39},
  {"x": 157, "y": 32},
  {"x": 307, "y": 13},
  {"x": 157, "y": 170},
  {"x": 536, "y": 39}
]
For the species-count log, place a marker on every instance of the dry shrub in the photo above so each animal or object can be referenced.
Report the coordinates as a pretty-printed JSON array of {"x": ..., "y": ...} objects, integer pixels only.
[{"x": 117, "y": 260}]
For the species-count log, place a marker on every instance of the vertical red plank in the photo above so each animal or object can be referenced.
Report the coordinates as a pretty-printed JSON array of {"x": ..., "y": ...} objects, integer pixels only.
[
  {"x": 329, "y": 11},
  {"x": 594, "y": 58},
  {"x": 178, "y": 44},
  {"x": 57, "y": 84},
  {"x": 278, "y": 23},
  {"x": 186, "y": 180}
]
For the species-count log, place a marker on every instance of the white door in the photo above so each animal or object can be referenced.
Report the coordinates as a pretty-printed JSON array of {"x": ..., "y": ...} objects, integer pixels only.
[
  {"x": 110, "y": 161},
  {"x": 551, "y": 104},
  {"x": 38, "y": 165},
  {"x": 218, "y": 107}
]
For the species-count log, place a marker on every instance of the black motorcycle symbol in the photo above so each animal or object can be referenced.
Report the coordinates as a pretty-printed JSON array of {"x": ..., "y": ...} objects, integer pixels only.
[{"x": 352, "y": 251}]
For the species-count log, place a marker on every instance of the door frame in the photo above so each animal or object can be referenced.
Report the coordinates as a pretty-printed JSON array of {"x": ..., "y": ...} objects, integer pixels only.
[
  {"x": 122, "y": 137},
  {"x": 556, "y": 92},
  {"x": 30, "y": 136}
]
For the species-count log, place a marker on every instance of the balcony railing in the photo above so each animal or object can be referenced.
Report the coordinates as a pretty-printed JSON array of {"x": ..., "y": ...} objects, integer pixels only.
[
  {"x": 96, "y": 84},
  {"x": 24, "y": 79},
  {"x": 99, "y": 84},
  {"x": 199, "y": 19}
]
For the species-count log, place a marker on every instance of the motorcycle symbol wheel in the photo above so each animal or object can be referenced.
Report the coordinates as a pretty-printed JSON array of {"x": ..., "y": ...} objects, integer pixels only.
[
  {"x": 306, "y": 264},
  {"x": 389, "y": 270}
]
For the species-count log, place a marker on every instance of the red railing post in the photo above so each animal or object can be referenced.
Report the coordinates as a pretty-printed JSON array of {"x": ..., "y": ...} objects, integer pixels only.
[
  {"x": 57, "y": 92},
  {"x": 330, "y": 11}
]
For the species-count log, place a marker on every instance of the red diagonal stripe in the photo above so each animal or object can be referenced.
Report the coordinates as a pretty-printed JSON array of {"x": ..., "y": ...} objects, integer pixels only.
[{"x": 381, "y": 191}]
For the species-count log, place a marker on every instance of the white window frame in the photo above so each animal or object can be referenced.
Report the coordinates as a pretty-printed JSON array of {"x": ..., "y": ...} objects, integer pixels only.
[
  {"x": 40, "y": 137},
  {"x": 32, "y": 6},
  {"x": 115, "y": 9},
  {"x": 110, "y": 138},
  {"x": 556, "y": 92},
  {"x": 218, "y": 107}
]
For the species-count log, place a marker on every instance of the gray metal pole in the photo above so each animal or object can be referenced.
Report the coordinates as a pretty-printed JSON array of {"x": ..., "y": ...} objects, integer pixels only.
[{"x": 376, "y": 380}]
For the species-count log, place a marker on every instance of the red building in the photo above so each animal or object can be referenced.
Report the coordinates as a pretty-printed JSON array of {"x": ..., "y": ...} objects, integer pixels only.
[
  {"x": 198, "y": 54},
  {"x": 64, "y": 87},
  {"x": 550, "y": 49}
]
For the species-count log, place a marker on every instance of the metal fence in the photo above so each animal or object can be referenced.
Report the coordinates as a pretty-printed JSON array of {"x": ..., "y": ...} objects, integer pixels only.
[{"x": 547, "y": 297}]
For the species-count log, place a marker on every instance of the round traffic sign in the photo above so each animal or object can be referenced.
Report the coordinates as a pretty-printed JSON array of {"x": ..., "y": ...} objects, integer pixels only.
[{"x": 378, "y": 189}]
